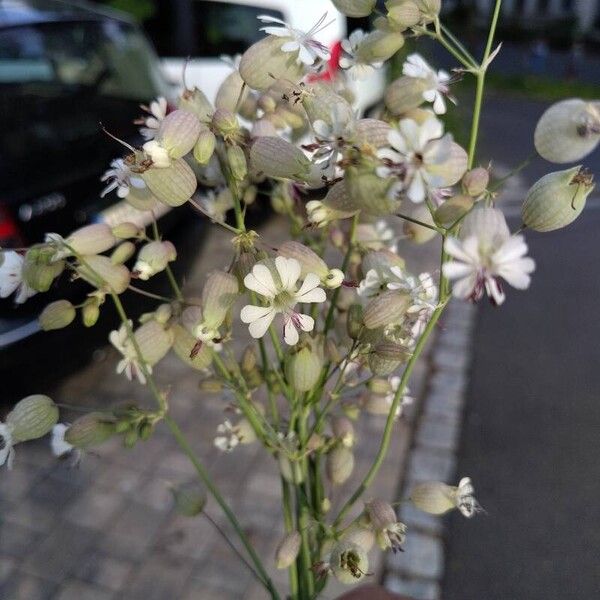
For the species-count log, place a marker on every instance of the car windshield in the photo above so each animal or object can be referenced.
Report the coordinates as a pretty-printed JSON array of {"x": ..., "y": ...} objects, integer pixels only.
[
  {"x": 58, "y": 82},
  {"x": 209, "y": 29}
]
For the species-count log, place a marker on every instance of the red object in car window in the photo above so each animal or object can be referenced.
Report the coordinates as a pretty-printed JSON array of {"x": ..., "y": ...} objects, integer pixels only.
[
  {"x": 9, "y": 233},
  {"x": 333, "y": 64}
]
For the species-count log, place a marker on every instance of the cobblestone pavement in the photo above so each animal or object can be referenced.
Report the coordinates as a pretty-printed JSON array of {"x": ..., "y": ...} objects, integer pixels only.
[{"x": 106, "y": 530}]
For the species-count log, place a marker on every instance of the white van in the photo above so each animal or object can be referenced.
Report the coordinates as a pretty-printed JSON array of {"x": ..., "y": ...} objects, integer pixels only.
[{"x": 204, "y": 30}]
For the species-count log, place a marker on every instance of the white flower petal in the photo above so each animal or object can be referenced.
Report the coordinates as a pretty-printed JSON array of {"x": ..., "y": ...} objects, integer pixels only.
[
  {"x": 290, "y": 334},
  {"x": 259, "y": 327},
  {"x": 310, "y": 291},
  {"x": 260, "y": 280},
  {"x": 289, "y": 270}
]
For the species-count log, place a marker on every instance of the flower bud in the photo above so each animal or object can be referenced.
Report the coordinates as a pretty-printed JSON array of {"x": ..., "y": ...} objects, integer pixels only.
[
  {"x": 387, "y": 308},
  {"x": 154, "y": 258},
  {"x": 403, "y": 15},
  {"x": 382, "y": 518},
  {"x": 274, "y": 157},
  {"x": 210, "y": 385},
  {"x": 90, "y": 430},
  {"x": 237, "y": 162},
  {"x": 101, "y": 273},
  {"x": 404, "y": 94},
  {"x": 178, "y": 132},
  {"x": 568, "y": 131},
  {"x": 264, "y": 62},
  {"x": 205, "y": 146},
  {"x": 173, "y": 185},
  {"x": 125, "y": 231},
  {"x": 57, "y": 315},
  {"x": 339, "y": 464},
  {"x": 288, "y": 550},
  {"x": 218, "y": 295},
  {"x": 557, "y": 199},
  {"x": 355, "y": 8},
  {"x": 197, "y": 103},
  {"x": 475, "y": 181},
  {"x": 343, "y": 430},
  {"x": 40, "y": 268},
  {"x": 433, "y": 497},
  {"x": 226, "y": 124},
  {"x": 378, "y": 46},
  {"x": 92, "y": 239},
  {"x": 453, "y": 209},
  {"x": 303, "y": 369},
  {"x": 231, "y": 92},
  {"x": 122, "y": 253},
  {"x": 417, "y": 233},
  {"x": 90, "y": 311},
  {"x": 32, "y": 417},
  {"x": 349, "y": 562}
]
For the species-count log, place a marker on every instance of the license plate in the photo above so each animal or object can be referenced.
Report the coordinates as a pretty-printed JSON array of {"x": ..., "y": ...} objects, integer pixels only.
[{"x": 123, "y": 212}]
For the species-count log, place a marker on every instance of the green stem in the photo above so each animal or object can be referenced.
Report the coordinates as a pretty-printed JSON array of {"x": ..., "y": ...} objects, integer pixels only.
[
  {"x": 288, "y": 521},
  {"x": 174, "y": 284},
  {"x": 417, "y": 222},
  {"x": 212, "y": 488}
]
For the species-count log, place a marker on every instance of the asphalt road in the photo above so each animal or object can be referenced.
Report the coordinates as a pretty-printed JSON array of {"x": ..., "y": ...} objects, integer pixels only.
[{"x": 531, "y": 440}]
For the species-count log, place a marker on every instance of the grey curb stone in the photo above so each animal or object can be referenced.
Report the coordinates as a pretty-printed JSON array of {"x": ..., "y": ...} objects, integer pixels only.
[{"x": 423, "y": 557}]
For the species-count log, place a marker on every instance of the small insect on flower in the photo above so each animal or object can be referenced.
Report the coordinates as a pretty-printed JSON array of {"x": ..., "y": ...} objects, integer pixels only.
[
  {"x": 156, "y": 112},
  {"x": 484, "y": 253},
  {"x": 304, "y": 42},
  {"x": 437, "y": 83},
  {"x": 11, "y": 277},
  {"x": 276, "y": 283}
]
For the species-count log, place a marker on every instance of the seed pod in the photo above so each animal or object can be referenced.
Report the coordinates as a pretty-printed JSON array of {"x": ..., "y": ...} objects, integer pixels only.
[
  {"x": 568, "y": 131},
  {"x": 237, "y": 162},
  {"x": 417, "y": 233},
  {"x": 264, "y": 62},
  {"x": 57, "y": 315},
  {"x": 475, "y": 181},
  {"x": 453, "y": 209},
  {"x": 372, "y": 132},
  {"x": 370, "y": 193},
  {"x": 122, "y": 253},
  {"x": 178, "y": 132},
  {"x": 172, "y": 185},
  {"x": 339, "y": 465},
  {"x": 343, "y": 430},
  {"x": 90, "y": 311},
  {"x": 355, "y": 8},
  {"x": 288, "y": 550},
  {"x": 40, "y": 268},
  {"x": 197, "y": 103},
  {"x": 557, "y": 199},
  {"x": 433, "y": 497},
  {"x": 349, "y": 562},
  {"x": 403, "y": 15},
  {"x": 92, "y": 239},
  {"x": 205, "y": 146},
  {"x": 101, "y": 273},
  {"x": 354, "y": 321},
  {"x": 186, "y": 347},
  {"x": 154, "y": 341},
  {"x": 32, "y": 417},
  {"x": 218, "y": 295},
  {"x": 387, "y": 308},
  {"x": 303, "y": 369},
  {"x": 91, "y": 430},
  {"x": 404, "y": 94},
  {"x": 379, "y": 46},
  {"x": 274, "y": 157},
  {"x": 189, "y": 499},
  {"x": 452, "y": 170}
]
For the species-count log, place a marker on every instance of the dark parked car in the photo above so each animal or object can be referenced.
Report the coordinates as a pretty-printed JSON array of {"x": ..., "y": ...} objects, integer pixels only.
[{"x": 64, "y": 69}]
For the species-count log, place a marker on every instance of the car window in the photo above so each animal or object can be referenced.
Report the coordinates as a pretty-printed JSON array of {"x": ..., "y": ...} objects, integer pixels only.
[{"x": 204, "y": 28}]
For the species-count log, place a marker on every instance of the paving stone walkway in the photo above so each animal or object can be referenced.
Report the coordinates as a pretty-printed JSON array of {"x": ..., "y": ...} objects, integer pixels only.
[{"x": 107, "y": 530}]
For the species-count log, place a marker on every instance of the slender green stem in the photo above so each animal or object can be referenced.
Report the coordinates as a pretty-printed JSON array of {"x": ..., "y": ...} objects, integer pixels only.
[
  {"x": 212, "y": 488},
  {"x": 288, "y": 521},
  {"x": 174, "y": 283},
  {"x": 149, "y": 294},
  {"x": 421, "y": 223}
]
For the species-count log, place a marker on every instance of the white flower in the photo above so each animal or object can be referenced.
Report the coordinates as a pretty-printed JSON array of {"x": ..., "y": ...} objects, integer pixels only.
[
  {"x": 157, "y": 153},
  {"x": 157, "y": 111},
  {"x": 129, "y": 364},
  {"x": 352, "y": 63},
  {"x": 484, "y": 253},
  {"x": 57, "y": 441},
  {"x": 229, "y": 437},
  {"x": 416, "y": 148},
  {"x": 7, "y": 453},
  {"x": 465, "y": 498},
  {"x": 281, "y": 296},
  {"x": 120, "y": 177},
  {"x": 309, "y": 48},
  {"x": 331, "y": 138},
  {"x": 416, "y": 66},
  {"x": 11, "y": 278}
]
